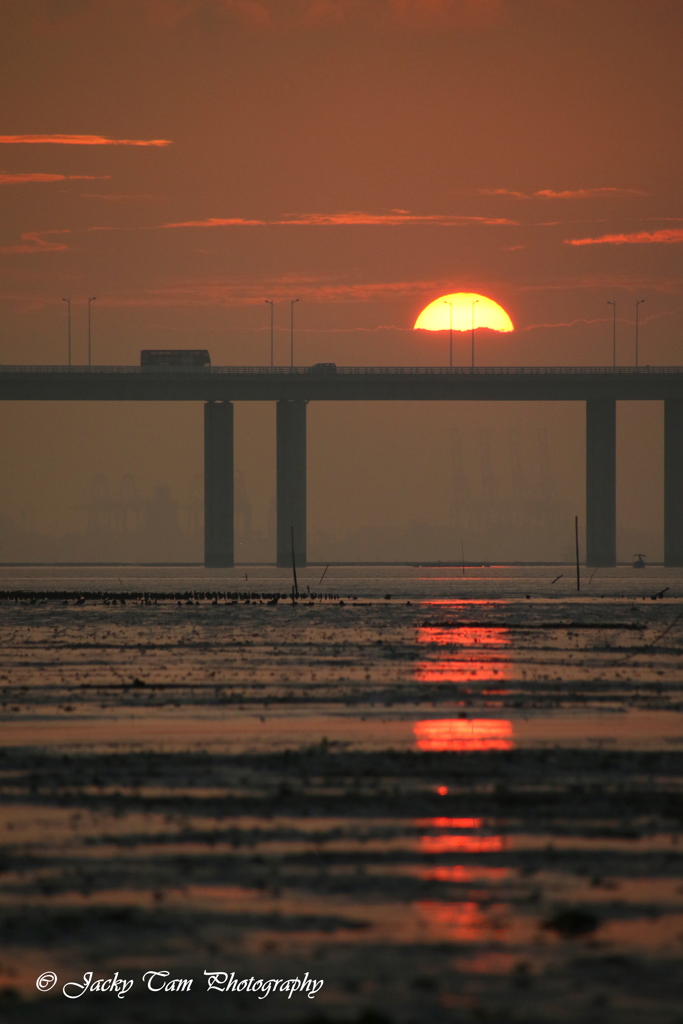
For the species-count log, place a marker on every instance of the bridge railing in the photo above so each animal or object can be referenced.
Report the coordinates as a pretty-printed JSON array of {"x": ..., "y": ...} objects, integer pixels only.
[{"x": 347, "y": 370}]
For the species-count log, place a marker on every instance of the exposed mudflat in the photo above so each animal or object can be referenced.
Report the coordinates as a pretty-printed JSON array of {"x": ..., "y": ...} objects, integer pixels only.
[{"x": 459, "y": 803}]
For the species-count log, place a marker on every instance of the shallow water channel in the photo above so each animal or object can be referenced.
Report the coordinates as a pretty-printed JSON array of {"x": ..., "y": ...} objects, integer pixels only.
[{"x": 451, "y": 797}]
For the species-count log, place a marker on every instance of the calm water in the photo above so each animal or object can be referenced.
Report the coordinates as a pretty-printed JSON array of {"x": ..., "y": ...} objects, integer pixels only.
[
  {"x": 457, "y": 803},
  {"x": 372, "y": 582}
]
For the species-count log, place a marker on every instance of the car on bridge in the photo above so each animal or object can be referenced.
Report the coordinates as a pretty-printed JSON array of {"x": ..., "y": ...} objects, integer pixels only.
[{"x": 323, "y": 368}]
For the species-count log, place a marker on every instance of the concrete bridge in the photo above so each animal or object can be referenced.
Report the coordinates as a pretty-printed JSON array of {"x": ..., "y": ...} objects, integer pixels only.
[{"x": 600, "y": 388}]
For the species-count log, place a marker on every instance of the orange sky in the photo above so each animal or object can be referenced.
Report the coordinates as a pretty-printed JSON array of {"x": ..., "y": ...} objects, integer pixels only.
[
  {"x": 365, "y": 157},
  {"x": 183, "y": 160}
]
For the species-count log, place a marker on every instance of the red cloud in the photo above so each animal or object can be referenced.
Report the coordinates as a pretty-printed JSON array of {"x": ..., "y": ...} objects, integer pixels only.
[
  {"x": 17, "y": 179},
  {"x": 439, "y": 14},
  {"x": 324, "y": 12},
  {"x": 669, "y": 235},
  {"x": 79, "y": 140},
  {"x": 219, "y": 222},
  {"x": 578, "y": 193},
  {"x": 243, "y": 292},
  {"x": 502, "y": 192},
  {"x": 38, "y": 241},
  {"x": 590, "y": 193},
  {"x": 394, "y": 218},
  {"x": 413, "y": 15},
  {"x": 353, "y": 219},
  {"x": 117, "y": 197},
  {"x": 34, "y": 242}
]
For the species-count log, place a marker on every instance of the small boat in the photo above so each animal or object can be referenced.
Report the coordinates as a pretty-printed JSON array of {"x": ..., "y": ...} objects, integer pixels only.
[{"x": 639, "y": 561}]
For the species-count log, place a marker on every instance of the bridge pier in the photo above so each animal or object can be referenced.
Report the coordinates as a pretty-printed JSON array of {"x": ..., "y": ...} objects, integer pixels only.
[
  {"x": 219, "y": 524},
  {"x": 291, "y": 482},
  {"x": 673, "y": 481},
  {"x": 601, "y": 482}
]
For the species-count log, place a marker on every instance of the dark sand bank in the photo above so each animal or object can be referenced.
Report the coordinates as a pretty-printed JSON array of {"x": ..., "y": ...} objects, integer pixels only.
[{"x": 461, "y": 811}]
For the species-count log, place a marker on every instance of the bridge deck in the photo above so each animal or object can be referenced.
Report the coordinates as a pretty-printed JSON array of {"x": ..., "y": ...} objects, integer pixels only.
[
  {"x": 600, "y": 387},
  {"x": 347, "y": 383}
]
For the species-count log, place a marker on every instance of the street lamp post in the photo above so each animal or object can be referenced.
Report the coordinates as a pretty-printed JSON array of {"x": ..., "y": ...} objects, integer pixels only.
[
  {"x": 291, "y": 331},
  {"x": 272, "y": 330},
  {"x": 638, "y": 303},
  {"x": 68, "y": 306},
  {"x": 473, "y": 305},
  {"x": 90, "y": 302},
  {"x": 614, "y": 330},
  {"x": 450, "y": 335}
]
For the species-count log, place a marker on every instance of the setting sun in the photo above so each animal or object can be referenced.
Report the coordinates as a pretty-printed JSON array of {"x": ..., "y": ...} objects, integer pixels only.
[{"x": 468, "y": 310}]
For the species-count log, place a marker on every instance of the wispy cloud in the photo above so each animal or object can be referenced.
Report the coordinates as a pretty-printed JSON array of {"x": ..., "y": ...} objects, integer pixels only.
[
  {"x": 170, "y": 13},
  {"x": 42, "y": 241},
  {"x": 444, "y": 14},
  {"x": 577, "y": 193},
  {"x": 270, "y": 15},
  {"x": 666, "y": 235},
  {"x": 590, "y": 193},
  {"x": 20, "y": 179},
  {"x": 38, "y": 241},
  {"x": 598, "y": 283},
  {"x": 251, "y": 291},
  {"x": 644, "y": 319},
  {"x": 503, "y": 192},
  {"x": 78, "y": 140},
  {"x": 568, "y": 323},
  {"x": 117, "y": 197},
  {"x": 354, "y": 218},
  {"x": 35, "y": 242}
]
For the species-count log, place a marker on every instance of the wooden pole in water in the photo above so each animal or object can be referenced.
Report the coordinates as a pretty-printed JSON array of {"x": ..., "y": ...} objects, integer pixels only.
[
  {"x": 576, "y": 540},
  {"x": 296, "y": 586},
  {"x": 462, "y": 552}
]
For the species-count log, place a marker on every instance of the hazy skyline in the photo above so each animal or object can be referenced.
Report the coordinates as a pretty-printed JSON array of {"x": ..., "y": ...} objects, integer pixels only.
[{"x": 184, "y": 160}]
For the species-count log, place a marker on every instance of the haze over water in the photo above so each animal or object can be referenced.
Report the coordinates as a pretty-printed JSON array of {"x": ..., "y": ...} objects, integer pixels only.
[{"x": 403, "y": 582}]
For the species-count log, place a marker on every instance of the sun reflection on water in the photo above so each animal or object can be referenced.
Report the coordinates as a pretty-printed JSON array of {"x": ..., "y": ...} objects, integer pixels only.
[
  {"x": 461, "y": 844},
  {"x": 454, "y": 835},
  {"x": 463, "y": 670},
  {"x": 450, "y": 823},
  {"x": 461, "y": 922},
  {"x": 459, "y": 651},
  {"x": 464, "y": 636},
  {"x": 463, "y": 734},
  {"x": 459, "y": 874}
]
